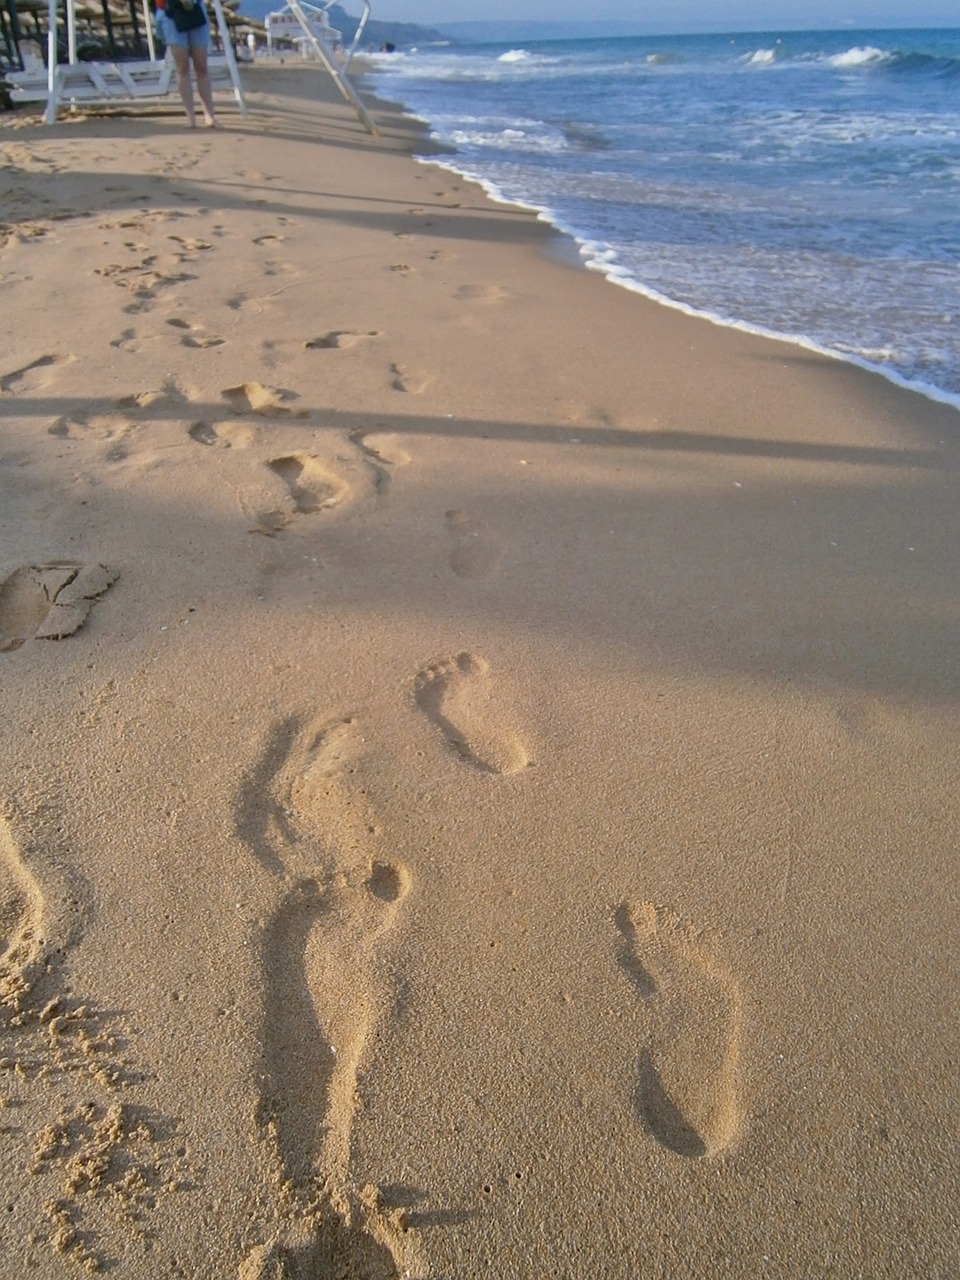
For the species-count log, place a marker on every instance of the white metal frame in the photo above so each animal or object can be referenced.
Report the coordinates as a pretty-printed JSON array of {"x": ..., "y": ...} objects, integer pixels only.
[
  {"x": 115, "y": 82},
  {"x": 299, "y": 9}
]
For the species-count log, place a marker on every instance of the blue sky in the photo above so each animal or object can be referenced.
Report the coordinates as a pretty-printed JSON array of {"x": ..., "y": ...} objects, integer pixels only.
[{"x": 682, "y": 15}]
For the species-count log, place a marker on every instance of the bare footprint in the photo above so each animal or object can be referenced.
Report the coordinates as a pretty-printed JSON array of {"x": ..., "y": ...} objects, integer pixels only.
[
  {"x": 312, "y": 486},
  {"x": 339, "y": 339},
  {"x": 383, "y": 451},
  {"x": 256, "y": 398},
  {"x": 413, "y": 381},
  {"x": 486, "y": 293},
  {"x": 201, "y": 341},
  {"x": 189, "y": 246},
  {"x": 228, "y": 435},
  {"x": 476, "y": 552},
  {"x": 358, "y": 1238},
  {"x": 21, "y": 921},
  {"x": 687, "y": 1074},
  {"x": 49, "y": 601},
  {"x": 132, "y": 342},
  {"x": 88, "y": 427},
  {"x": 382, "y": 445},
  {"x": 268, "y": 522},
  {"x": 32, "y": 376},
  {"x": 456, "y": 694},
  {"x": 316, "y": 955},
  {"x": 325, "y": 993}
]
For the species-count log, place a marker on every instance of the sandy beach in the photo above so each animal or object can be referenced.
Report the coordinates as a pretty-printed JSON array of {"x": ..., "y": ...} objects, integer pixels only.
[{"x": 480, "y": 749}]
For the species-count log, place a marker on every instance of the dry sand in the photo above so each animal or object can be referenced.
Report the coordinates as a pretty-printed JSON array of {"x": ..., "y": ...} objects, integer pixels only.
[{"x": 492, "y": 811}]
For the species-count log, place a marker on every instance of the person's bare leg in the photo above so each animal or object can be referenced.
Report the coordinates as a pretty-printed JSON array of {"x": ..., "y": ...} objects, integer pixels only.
[
  {"x": 203, "y": 85},
  {"x": 181, "y": 61}
]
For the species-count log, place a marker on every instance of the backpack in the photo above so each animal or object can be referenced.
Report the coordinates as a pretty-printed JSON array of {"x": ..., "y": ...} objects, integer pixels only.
[{"x": 186, "y": 15}]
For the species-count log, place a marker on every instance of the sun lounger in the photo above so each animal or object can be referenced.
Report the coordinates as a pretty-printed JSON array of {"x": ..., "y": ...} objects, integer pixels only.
[{"x": 107, "y": 83}]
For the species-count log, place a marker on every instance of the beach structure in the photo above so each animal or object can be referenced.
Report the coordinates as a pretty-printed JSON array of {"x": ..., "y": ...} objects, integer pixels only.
[
  {"x": 119, "y": 82},
  {"x": 112, "y": 83},
  {"x": 114, "y": 26},
  {"x": 285, "y": 25},
  {"x": 308, "y": 26}
]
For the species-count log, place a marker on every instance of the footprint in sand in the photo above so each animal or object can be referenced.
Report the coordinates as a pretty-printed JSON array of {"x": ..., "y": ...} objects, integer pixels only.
[
  {"x": 228, "y": 435},
  {"x": 170, "y": 395},
  {"x": 339, "y": 339},
  {"x": 686, "y": 1094},
  {"x": 312, "y": 486},
  {"x": 49, "y": 601},
  {"x": 413, "y": 381},
  {"x": 324, "y": 994},
  {"x": 33, "y": 376},
  {"x": 21, "y": 921},
  {"x": 189, "y": 247},
  {"x": 383, "y": 451},
  {"x": 193, "y": 335},
  {"x": 316, "y": 956},
  {"x": 133, "y": 342},
  {"x": 488, "y": 293},
  {"x": 254, "y": 397},
  {"x": 145, "y": 286},
  {"x": 476, "y": 551},
  {"x": 84, "y": 426},
  {"x": 456, "y": 694},
  {"x": 382, "y": 445}
]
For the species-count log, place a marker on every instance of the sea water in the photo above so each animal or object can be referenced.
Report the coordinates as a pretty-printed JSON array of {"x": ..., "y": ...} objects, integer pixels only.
[{"x": 804, "y": 184}]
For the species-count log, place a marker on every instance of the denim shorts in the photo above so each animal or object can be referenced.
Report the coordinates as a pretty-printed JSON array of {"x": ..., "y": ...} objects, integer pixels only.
[{"x": 198, "y": 38}]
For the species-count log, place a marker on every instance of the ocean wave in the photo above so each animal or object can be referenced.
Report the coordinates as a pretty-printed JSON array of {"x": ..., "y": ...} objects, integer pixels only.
[
  {"x": 925, "y": 64},
  {"x": 457, "y": 65},
  {"x": 760, "y": 58},
  {"x": 512, "y": 140},
  {"x": 830, "y": 161},
  {"x": 859, "y": 56},
  {"x": 518, "y": 135},
  {"x": 866, "y": 57}
]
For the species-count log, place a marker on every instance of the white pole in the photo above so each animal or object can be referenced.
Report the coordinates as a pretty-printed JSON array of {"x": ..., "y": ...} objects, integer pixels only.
[
  {"x": 340, "y": 78},
  {"x": 148, "y": 19},
  {"x": 231, "y": 59},
  {"x": 71, "y": 32},
  {"x": 51, "y": 113}
]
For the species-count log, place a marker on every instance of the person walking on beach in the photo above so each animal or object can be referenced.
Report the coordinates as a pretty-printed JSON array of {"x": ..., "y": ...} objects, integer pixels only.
[{"x": 183, "y": 27}]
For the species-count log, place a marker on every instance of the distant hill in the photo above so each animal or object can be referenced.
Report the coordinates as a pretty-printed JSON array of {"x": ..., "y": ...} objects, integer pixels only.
[{"x": 401, "y": 34}]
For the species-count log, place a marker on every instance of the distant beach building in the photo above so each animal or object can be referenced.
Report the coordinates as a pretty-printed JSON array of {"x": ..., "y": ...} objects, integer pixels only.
[{"x": 285, "y": 25}]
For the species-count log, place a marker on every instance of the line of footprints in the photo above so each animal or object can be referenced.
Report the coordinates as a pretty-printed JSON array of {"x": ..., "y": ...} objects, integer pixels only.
[
  {"x": 310, "y": 825},
  {"x": 340, "y": 895}
]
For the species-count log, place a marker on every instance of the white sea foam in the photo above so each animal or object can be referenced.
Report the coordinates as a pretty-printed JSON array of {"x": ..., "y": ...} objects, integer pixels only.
[
  {"x": 762, "y": 58},
  {"x": 858, "y": 57},
  {"x": 515, "y": 55},
  {"x": 516, "y": 141},
  {"x": 602, "y": 258},
  {"x": 817, "y": 207}
]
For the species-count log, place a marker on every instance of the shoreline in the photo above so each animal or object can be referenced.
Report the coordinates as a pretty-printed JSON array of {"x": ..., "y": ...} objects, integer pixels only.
[
  {"x": 591, "y": 256},
  {"x": 579, "y": 256},
  {"x": 494, "y": 813}
]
